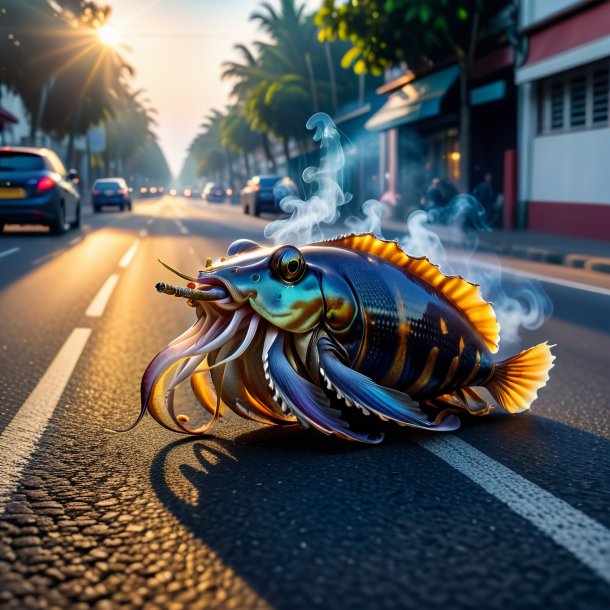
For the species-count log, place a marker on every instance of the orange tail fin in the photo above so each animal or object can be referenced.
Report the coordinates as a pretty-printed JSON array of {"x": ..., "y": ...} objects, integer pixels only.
[{"x": 516, "y": 380}]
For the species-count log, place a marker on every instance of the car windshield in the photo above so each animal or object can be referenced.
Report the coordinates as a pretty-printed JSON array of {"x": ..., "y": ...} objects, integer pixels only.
[
  {"x": 269, "y": 181},
  {"x": 107, "y": 185},
  {"x": 17, "y": 162}
]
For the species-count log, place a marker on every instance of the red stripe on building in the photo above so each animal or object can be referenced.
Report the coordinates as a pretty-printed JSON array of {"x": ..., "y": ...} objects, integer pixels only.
[
  {"x": 573, "y": 32},
  {"x": 588, "y": 220}
]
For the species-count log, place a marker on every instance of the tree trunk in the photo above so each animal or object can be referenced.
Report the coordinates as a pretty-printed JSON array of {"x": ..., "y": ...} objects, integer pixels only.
[
  {"x": 286, "y": 153},
  {"x": 331, "y": 76},
  {"x": 247, "y": 163},
  {"x": 72, "y": 135},
  {"x": 464, "y": 129},
  {"x": 312, "y": 82},
  {"x": 268, "y": 153}
]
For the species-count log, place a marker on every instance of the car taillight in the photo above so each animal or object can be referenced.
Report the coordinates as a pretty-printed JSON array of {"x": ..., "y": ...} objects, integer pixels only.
[
  {"x": 45, "y": 184},
  {"x": 122, "y": 191},
  {"x": 96, "y": 192}
]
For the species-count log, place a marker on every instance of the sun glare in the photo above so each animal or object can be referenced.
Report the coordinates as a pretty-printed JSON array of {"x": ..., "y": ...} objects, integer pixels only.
[{"x": 108, "y": 35}]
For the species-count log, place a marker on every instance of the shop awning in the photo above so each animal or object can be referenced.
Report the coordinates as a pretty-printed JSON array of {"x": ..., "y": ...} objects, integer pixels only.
[
  {"x": 7, "y": 117},
  {"x": 418, "y": 100}
]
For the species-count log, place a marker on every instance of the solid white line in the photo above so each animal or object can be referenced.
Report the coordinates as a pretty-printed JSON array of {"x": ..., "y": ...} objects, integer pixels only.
[
  {"x": 128, "y": 256},
  {"x": 584, "y": 537},
  {"x": 97, "y": 306},
  {"x": 550, "y": 280},
  {"x": 11, "y": 251},
  {"x": 19, "y": 438}
]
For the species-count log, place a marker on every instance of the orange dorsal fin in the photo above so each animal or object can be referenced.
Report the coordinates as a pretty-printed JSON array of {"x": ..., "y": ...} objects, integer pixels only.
[{"x": 464, "y": 295}]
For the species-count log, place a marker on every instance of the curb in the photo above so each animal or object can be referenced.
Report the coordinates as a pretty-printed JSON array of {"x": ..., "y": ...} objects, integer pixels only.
[
  {"x": 577, "y": 261},
  {"x": 544, "y": 255}
]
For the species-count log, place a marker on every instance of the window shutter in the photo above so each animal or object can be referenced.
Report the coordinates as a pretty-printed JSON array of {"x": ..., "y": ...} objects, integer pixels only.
[
  {"x": 578, "y": 101},
  {"x": 557, "y": 105},
  {"x": 600, "y": 96}
]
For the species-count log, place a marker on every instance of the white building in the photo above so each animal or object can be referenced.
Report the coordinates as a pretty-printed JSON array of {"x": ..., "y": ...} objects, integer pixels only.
[{"x": 564, "y": 129}]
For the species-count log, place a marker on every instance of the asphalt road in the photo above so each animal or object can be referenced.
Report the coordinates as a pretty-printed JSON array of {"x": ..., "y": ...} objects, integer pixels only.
[{"x": 509, "y": 512}]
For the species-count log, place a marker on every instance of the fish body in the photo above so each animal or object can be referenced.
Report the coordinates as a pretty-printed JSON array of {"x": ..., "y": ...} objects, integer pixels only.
[
  {"x": 340, "y": 336},
  {"x": 408, "y": 335}
]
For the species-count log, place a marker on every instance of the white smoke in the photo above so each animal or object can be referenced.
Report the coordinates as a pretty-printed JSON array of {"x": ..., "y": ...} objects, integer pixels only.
[
  {"x": 452, "y": 247},
  {"x": 447, "y": 236},
  {"x": 307, "y": 216}
]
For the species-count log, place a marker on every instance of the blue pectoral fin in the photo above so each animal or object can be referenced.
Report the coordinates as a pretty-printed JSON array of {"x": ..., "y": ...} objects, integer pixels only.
[
  {"x": 366, "y": 394},
  {"x": 308, "y": 402}
]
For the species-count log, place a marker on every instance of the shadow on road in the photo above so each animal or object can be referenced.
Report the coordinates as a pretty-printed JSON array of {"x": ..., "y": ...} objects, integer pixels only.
[{"x": 311, "y": 522}]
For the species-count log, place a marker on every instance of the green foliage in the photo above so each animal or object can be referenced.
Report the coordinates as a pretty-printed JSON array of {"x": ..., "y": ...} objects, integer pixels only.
[{"x": 418, "y": 32}]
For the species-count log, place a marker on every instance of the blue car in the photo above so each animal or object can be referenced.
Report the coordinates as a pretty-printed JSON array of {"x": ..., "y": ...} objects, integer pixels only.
[
  {"x": 110, "y": 191},
  {"x": 35, "y": 188}
]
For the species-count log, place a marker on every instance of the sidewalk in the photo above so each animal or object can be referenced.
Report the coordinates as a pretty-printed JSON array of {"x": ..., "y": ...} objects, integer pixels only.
[{"x": 555, "y": 249}]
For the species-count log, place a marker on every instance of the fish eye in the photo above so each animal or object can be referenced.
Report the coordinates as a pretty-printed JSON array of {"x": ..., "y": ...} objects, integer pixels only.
[{"x": 289, "y": 264}]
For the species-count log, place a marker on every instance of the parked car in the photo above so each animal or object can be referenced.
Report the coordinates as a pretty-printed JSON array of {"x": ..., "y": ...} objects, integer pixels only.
[
  {"x": 214, "y": 193},
  {"x": 110, "y": 191},
  {"x": 35, "y": 188},
  {"x": 264, "y": 193}
]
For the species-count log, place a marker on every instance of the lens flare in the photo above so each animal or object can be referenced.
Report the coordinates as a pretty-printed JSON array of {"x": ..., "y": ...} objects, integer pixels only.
[{"x": 108, "y": 35}]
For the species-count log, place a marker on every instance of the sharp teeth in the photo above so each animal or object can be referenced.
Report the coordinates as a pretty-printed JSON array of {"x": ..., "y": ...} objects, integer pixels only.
[
  {"x": 339, "y": 393},
  {"x": 348, "y": 402},
  {"x": 267, "y": 376},
  {"x": 401, "y": 424},
  {"x": 382, "y": 417},
  {"x": 329, "y": 385},
  {"x": 276, "y": 396}
]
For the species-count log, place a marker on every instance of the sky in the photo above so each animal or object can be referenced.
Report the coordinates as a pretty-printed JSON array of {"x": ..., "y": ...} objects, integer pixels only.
[{"x": 177, "y": 48}]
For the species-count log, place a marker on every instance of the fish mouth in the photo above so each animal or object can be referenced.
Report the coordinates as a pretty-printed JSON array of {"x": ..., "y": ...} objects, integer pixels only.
[{"x": 220, "y": 354}]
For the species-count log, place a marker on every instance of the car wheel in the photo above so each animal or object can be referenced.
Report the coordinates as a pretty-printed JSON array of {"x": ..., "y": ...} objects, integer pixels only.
[
  {"x": 257, "y": 211},
  {"x": 58, "y": 226},
  {"x": 246, "y": 210},
  {"x": 76, "y": 224},
  {"x": 1, "y": 228},
  {"x": 121, "y": 207},
  {"x": 97, "y": 209},
  {"x": 129, "y": 206}
]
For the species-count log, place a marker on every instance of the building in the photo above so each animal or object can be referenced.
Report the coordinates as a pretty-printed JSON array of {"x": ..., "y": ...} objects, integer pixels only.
[
  {"x": 419, "y": 127},
  {"x": 564, "y": 131}
]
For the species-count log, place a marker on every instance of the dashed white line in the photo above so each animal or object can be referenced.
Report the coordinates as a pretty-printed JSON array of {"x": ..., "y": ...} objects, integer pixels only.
[
  {"x": 181, "y": 226},
  {"x": 74, "y": 241},
  {"x": 98, "y": 305},
  {"x": 150, "y": 221},
  {"x": 585, "y": 538},
  {"x": 128, "y": 256},
  {"x": 143, "y": 232},
  {"x": 9, "y": 252},
  {"x": 19, "y": 438}
]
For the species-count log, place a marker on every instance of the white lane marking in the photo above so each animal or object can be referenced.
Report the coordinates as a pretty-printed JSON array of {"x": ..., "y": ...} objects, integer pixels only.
[
  {"x": 74, "y": 241},
  {"x": 181, "y": 226},
  {"x": 549, "y": 280},
  {"x": 19, "y": 438},
  {"x": 150, "y": 221},
  {"x": 143, "y": 232},
  {"x": 128, "y": 256},
  {"x": 97, "y": 306},
  {"x": 585, "y": 538},
  {"x": 8, "y": 252}
]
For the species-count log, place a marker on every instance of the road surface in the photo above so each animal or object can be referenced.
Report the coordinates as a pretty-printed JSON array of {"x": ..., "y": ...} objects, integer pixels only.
[{"x": 509, "y": 512}]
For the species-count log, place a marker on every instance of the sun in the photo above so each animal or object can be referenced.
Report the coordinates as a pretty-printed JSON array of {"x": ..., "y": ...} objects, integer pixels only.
[{"x": 108, "y": 35}]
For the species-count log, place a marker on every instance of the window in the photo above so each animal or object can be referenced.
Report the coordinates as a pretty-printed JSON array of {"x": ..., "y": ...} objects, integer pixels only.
[
  {"x": 600, "y": 96},
  {"x": 557, "y": 106},
  {"x": 575, "y": 100}
]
